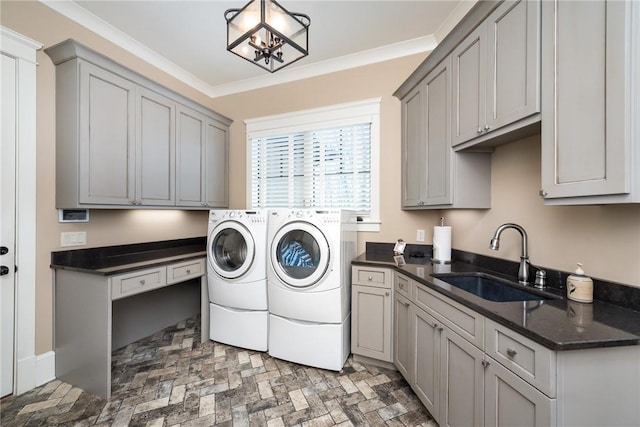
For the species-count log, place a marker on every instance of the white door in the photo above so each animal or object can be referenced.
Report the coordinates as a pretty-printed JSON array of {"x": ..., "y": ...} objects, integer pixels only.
[{"x": 7, "y": 222}]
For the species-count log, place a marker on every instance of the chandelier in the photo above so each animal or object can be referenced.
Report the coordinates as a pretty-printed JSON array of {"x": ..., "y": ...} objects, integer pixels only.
[{"x": 266, "y": 34}]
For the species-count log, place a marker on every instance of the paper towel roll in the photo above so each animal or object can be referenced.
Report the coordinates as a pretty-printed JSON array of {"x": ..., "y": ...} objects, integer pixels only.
[{"x": 442, "y": 244}]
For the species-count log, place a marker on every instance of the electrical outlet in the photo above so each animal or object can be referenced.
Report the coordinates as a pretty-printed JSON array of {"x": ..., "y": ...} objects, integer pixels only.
[
  {"x": 420, "y": 236},
  {"x": 74, "y": 238}
]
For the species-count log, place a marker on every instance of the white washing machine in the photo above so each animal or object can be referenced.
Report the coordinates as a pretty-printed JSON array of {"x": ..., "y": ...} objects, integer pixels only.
[
  {"x": 309, "y": 286},
  {"x": 237, "y": 278}
]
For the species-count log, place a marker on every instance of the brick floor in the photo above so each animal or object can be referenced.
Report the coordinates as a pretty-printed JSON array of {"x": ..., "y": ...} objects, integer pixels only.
[{"x": 171, "y": 379}]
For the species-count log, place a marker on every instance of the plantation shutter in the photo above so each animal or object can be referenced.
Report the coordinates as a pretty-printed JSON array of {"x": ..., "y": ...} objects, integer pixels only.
[{"x": 325, "y": 168}]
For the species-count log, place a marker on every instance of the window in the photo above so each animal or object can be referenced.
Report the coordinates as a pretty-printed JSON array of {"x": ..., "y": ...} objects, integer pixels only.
[{"x": 325, "y": 158}]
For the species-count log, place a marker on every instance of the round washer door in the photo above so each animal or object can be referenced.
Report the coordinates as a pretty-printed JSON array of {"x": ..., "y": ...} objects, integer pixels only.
[
  {"x": 231, "y": 249},
  {"x": 300, "y": 254}
]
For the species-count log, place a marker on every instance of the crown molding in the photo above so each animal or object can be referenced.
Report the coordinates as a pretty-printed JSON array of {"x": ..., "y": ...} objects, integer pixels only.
[{"x": 90, "y": 21}]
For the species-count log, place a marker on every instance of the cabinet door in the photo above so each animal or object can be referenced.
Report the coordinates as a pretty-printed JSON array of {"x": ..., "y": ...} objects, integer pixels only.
[
  {"x": 402, "y": 336},
  {"x": 510, "y": 401},
  {"x": 190, "y": 156},
  {"x": 513, "y": 61},
  {"x": 461, "y": 382},
  {"x": 215, "y": 165},
  {"x": 426, "y": 359},
  {"x": 584, "y": 149},
  {"x": 469, "y": 86},
  {"x": 107, "y": 138},
  {"x": 155, "y": 149},
  {"x": 438, "y": 131},
  {"x": 413, "y": 149},
  {"x": 371, "y": 322}
]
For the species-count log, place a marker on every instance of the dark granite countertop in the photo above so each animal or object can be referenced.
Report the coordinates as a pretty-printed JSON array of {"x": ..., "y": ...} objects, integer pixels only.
[
  {"x": 110, "y": 260},
  {"x": 558, "y": 324}
]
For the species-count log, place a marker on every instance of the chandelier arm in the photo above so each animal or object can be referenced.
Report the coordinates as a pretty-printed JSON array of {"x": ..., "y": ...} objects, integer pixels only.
[{"x": 301, "y": 15}]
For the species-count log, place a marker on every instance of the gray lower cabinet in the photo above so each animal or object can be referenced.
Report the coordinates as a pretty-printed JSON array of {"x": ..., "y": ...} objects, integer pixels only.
[
  {"x": 118, "y": 140},
  {"x": 469, "y": 370},
  {"x": 371, "y": 308},
  {"x": 496, "y": 74},
  {"x": 591, "y": 79},
  {"x": 433, "y": 176},
  {"x": 96, "y": 314}
]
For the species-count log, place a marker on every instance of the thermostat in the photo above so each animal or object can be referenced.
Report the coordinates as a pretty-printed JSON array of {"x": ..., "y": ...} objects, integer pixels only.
[{"x": 73, "y": 215}]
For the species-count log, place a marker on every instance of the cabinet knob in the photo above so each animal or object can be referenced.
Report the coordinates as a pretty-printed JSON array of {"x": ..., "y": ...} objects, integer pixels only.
[
  {"x": 511, "y": 352},
  {"x": 370, "y": 278},
  {"x": 142, "y": 282},
  {"x": 487, "y": 128},
  {"x": 480, "y": 130},
  {"x": 401, "y": 285},
  {"x": 440, "y": 329},
  {"x": 386, "y": 293},
  {"x": 485, "y": 363},
  {"x": 188, "y": 271},
  {"x": 543, "y": 193},
  {"x": 420, "y": 203},
  {"x": 406, "y": 304}
]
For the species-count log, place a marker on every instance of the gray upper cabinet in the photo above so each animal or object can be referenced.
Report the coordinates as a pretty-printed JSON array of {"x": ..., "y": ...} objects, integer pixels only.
[
  {"x": 202, "y": 160},
  {"x": 106, "y": 152},
  {"x": 118, "y": 140},
  {"x": 433, "y": 176},
  {"x": 155, "y": 168},
  {"x": 496, "y": 75},
  {"x": 591, "y": 80}
]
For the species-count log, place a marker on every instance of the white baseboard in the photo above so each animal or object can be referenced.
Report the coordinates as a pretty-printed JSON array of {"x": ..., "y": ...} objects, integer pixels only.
[
  {"x": 33, "y": 371},
  {"x": 45, "y": 367}
]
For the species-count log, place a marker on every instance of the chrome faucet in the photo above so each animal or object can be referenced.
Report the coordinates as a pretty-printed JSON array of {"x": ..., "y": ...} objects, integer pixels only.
[{"x": 523, "y": 270}]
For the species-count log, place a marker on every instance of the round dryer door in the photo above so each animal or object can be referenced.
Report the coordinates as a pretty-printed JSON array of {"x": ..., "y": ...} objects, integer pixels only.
[
  {"x": 231, "y": 249},
  {"x": 300, "y": 254}
]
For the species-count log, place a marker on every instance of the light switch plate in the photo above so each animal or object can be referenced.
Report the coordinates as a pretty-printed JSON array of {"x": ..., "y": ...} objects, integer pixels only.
[
  {"x": 420, "y": 236},
  {"x": 73, "y": 238}
]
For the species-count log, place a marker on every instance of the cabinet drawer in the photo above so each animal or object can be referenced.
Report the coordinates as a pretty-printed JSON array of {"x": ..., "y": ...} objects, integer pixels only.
[
  {"x": 462, "y": 320},
  {"x": 402, "y": 286},
  {"x": 185, "y": 271},
  {"x": 529, "y": 360},
  {"x": 140, "y": 281},
  {"x": 371, "y": 276}
]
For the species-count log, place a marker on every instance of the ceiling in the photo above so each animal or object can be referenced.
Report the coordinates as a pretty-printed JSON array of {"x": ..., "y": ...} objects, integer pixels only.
[{"x": 187, "y": 38}]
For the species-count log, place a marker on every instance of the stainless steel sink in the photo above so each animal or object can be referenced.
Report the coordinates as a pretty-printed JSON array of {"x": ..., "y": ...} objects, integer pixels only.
[{"x": 493, "y": 288}]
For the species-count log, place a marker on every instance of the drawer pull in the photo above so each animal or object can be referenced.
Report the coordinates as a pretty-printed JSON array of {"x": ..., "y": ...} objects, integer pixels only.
[
  {"x": 386, "y": 293},
  {"x": 485, "y": 363},
  {"x": 188, "y": 271},
  {"x": 406, "y": 304},
  {"x": 370, "y": 278},
  {"x": 511, "y": 352},
  {"x": 142, "y": 282},
  {"x": 401, "y": 285}
]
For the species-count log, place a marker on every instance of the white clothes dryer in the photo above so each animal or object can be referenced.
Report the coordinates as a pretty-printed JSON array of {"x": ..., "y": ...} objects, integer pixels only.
[
  {"x": 309, "y": 287},
  {"x": 237, "y": 278},
  {"x": 309, "y": 265}
]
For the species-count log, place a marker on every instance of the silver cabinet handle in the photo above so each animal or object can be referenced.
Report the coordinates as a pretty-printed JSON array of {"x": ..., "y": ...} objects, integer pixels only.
[
  {"x": 401, "y": 285},
  {"x": 386, "y": 293},
  {"x": 511, "y": 352},
  {"x": 370, "y": 278},
  {"x": 406, "y": 304},
  {"x": 188, "y": 271},
  {"x": 142, "y": 282},
  {"x": 543, "y": 193},
  {"x": 479, "y": 130},
  {"x": 486, "y": 363},
  {"x": 487, "y": 128}
]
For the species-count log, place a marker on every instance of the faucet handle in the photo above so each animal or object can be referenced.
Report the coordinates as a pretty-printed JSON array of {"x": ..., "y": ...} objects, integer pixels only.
[{"x": 541, "y": 279}]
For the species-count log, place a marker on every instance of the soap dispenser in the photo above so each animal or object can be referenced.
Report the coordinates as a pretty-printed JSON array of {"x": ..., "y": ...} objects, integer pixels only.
[{"x": 579, "y": 286}]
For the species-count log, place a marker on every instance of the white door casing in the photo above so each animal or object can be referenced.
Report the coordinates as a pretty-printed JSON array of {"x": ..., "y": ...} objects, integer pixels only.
[{"x": 19, "y": 178}]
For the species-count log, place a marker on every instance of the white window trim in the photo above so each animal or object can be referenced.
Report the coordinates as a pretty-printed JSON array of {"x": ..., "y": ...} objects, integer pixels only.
[{"x": 333, "y": 115}]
